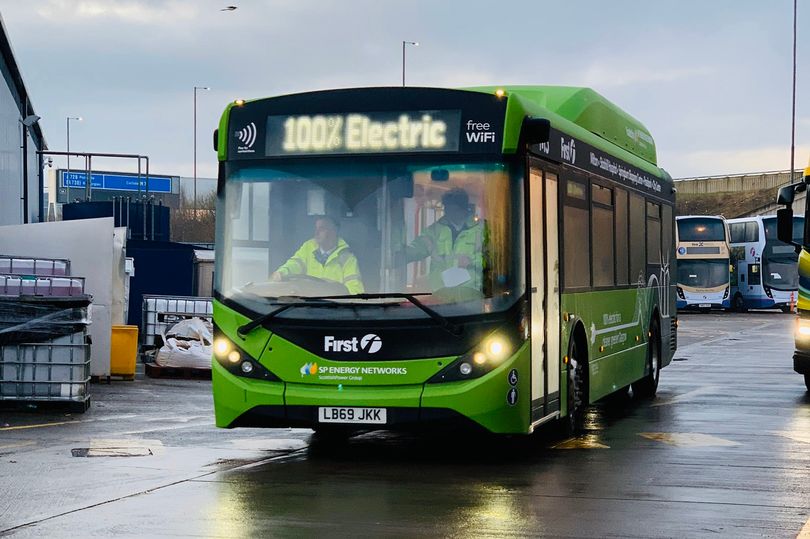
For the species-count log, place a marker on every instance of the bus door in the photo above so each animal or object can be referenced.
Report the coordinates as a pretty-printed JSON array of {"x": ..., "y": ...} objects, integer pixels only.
[{"x": 545, "y": 293}]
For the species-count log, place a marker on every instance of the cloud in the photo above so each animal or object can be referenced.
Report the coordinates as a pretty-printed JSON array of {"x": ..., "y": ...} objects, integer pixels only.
[
  {"x": 128, "y": 11},
  {"x": 627, "y": 74}
]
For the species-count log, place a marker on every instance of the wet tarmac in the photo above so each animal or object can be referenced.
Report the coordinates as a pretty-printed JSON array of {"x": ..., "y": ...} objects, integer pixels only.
[{"x": 723, "y": 451}]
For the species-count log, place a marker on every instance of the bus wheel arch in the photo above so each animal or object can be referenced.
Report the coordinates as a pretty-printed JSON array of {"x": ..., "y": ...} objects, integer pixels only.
[
  {"x": 577, "y": 380},
  {"x": 647, "y": 386},
  {"x": 738, "y": 303}
]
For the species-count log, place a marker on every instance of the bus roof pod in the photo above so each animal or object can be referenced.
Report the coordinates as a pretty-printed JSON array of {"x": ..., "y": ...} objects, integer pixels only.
[{"x": 589, "y": 110}]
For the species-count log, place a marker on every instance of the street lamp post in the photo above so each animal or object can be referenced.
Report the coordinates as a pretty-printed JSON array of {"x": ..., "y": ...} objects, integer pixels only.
[
  {"x": 67, "y": 122},
  {"x": 195, "y": 146},
  {"x": 415, "y": 44}
]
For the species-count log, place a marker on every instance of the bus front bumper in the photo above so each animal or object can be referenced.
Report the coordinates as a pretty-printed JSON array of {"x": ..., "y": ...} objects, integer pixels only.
[
  {"x": 475, "y": 404},
  {"x": 801, "y": 362}
]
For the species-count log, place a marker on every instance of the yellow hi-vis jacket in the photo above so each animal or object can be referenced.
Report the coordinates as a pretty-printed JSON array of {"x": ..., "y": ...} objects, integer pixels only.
[
  {"x": 341, "y": 265},
  {"x": 445, "y": 252}
]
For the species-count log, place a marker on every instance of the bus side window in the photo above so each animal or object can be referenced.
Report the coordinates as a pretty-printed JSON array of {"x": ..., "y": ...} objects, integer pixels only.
[
  {"x": 751, "y": 232},
  {"x": 622, "y": 250},
  {"x": 576, "y": 237},
  {"x": 737, "y": 232},
  {"x": 638, "y": 252},
  {"x": 602, "y": 232}
]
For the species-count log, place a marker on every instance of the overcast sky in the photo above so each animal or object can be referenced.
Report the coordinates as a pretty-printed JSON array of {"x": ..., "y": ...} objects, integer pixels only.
[{"x": 710, "y": 79}]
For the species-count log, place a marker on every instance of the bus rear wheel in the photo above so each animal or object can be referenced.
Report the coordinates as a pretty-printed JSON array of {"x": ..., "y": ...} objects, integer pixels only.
[
  {"x": 577, "y": 392},
  {"x": 648, "y": 386}
]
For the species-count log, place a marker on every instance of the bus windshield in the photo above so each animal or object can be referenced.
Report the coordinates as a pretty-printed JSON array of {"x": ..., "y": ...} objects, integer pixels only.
[
  {"x": 780, "y": 260},
  {"x": 703, "y": 273},
  {"x": 333, "y": 230},
  {"x": 701, "y": 229}
]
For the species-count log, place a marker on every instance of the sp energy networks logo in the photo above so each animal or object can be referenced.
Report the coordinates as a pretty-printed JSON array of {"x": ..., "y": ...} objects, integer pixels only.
[
  {"x": 370, "y": 344},
  {"x": 309, "y": 369},
  {"x": 247, "y": 138}
]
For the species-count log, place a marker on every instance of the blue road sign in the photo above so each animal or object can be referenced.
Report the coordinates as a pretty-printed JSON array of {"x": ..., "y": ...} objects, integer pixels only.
[{"x": 116, "y": 182}]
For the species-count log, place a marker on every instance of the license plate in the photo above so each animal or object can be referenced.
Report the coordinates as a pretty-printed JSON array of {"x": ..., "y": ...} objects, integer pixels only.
[
  {"x": 375, "y": 416},
  {"x": 705, "y": 305}
]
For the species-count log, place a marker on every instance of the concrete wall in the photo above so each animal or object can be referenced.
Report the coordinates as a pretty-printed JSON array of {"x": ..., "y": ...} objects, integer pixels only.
[
  {"x": 88, "y": 244},
  {"x": 735, "y": 183}
]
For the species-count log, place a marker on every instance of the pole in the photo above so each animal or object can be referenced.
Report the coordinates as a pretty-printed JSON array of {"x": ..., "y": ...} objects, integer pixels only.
[
  {"x": 195, "y": 152},
  {"x": 67, "y": 172},
  {"x": 25, "y": 173},
  {"x": 25, "y": 164},
  {"x": 89, "y": 180},
  {"x": 415, "y": 44},
  {"x": 793, "y": 113}
]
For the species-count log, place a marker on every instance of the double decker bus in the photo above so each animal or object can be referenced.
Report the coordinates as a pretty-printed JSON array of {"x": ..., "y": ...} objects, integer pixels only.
[
  {"x": 765, "y": 269},
  {"x": 552, "y": 291},
  {"x": 703, "y": 262}
]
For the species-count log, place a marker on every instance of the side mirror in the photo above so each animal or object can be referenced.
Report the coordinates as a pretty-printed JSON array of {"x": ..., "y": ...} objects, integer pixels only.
[
  {"x": 784, "y": 227},
  {"x": 787, "y": 193},
  {"x": 535, "y": 130}
]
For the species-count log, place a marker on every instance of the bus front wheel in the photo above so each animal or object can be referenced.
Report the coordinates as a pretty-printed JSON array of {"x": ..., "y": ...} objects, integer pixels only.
[
  {"x": 647, "y": 386},
  {"x": 577, "y": 388},
  {"x": 807, "y": 381},
  {"x": 739, "y": 303}
]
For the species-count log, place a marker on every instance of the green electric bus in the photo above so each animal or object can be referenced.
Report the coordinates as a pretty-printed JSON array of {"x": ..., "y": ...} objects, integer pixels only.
[{"x": 552, "y": 292}]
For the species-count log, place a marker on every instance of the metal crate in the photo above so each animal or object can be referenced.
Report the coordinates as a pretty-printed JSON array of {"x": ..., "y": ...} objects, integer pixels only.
[
  {"x": 23, "y": 285},
  {"x": 57, "y": 370},
  {"x": 160, "y": 313},
  {"x": 26, "y": 265}
]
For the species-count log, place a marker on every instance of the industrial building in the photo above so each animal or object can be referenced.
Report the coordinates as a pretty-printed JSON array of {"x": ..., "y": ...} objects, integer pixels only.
[{"x": 21, "y": 180}]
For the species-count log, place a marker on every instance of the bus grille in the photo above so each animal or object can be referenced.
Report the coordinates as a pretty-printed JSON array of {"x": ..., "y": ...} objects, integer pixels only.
[{"x": 673, "y": 334}]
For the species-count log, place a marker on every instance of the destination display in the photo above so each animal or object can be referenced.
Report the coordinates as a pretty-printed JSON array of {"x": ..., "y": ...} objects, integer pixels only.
[
  {"x": 367, "y": 121},
  {"x": 377, "y": 132},
  {"x": 567, "y": 149}
]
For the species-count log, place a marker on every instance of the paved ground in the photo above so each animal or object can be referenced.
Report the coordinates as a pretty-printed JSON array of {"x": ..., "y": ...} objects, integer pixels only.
[{"x": 723, "y": 451}]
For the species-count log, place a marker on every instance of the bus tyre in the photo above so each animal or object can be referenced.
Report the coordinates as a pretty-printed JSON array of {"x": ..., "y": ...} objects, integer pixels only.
[
  {"x": 807, "y": 381},
  {"x": 577, "y": 389},
  {"x": 739, "y": 303},
  {"x": 647, "y": 386}
]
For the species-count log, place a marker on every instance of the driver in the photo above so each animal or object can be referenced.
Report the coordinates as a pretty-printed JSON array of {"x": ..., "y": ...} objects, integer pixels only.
[
  {"x": 326, "y": 256},
  {"x": 457, "y": 241}
]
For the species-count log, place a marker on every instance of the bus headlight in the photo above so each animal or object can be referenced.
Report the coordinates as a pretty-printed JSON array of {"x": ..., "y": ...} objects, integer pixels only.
[
  {"x": 802, "y": 331},
  {"x": 238, "y": 362},
  {"x": 680, "y": 292},
  {"x": 480, "y": 360},
  {"x": 725, "y": 294}
]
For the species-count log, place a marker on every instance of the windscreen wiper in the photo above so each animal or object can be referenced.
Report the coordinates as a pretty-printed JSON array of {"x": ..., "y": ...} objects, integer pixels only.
[
  {"x": 443, "y": 322},
  {"x": 294, "y": 301},
  {"x": 327, "y": 301}
]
